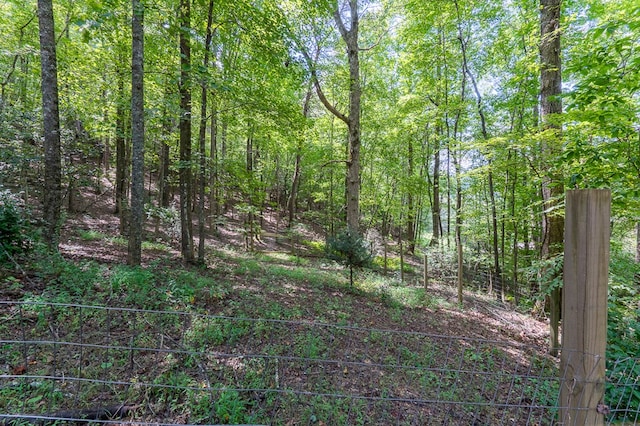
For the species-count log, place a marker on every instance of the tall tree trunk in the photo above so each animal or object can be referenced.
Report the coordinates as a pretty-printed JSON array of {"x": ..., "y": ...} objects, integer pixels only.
[
  {"x": 164, "y": 189},
  {"x": 350, "y": 37},
  {"x": 552, "y": 185},
  {"x": 121, "y": 156},
  {"x": 295, "y": 182},
  {"x": 186, "y": 223},
  {"x": 164, "y": 193},
  {"x": 411, "y": 213},
  {"x": 485, "y": 136},
  {"x": 435, "y": 205},
  {"x": 214, "y": 194},
  {"x": 249, "y": 167},
  {"x": 51, "y": 118},
  {"x": 458, "y": 231},
  {"x": 638, "y": 242},
  {"x": 202, "y": 174},
  {"x": 494, "y": 226},
  {"x": 137, "y": 134},
  {"x": 352, "y": 177}
]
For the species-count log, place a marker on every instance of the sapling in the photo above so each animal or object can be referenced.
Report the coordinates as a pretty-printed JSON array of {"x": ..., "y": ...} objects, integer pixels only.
[{"x": 349, "y": 248}]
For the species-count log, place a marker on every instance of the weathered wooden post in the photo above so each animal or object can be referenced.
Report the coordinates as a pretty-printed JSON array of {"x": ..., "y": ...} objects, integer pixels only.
[
  {"x": 584, "y": 307},
  {"x": 426, "y": 272}
]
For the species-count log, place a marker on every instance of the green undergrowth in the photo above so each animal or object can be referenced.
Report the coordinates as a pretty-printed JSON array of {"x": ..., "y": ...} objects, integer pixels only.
[
  {"x": 92, "y": 235},
  {"x": 267, "y": 286},
  {"x": 230, "y": 276}
]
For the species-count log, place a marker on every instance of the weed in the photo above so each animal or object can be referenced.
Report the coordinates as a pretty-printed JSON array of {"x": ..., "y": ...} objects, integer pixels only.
[
  {"x": 69, "y": 281},
  {"x": 310, "y": 345},
  {"x": 208, "y": 332},
  {"x": 15, "y": 230},
  {"x": 119, "y": 241},
  {"x": 90, "y": 235},
  {"x": 231, "y": 408},
  {"x": 151, "y": 245},
  {"x": 137, "y": 286}
]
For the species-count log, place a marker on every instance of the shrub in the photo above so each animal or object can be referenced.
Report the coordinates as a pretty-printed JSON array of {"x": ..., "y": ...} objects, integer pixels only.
[
  {"x": 14, "y": 228},
  {"x": 349, "y": 248}
]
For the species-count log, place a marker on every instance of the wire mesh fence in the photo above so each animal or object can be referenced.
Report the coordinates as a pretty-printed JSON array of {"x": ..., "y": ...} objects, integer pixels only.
[{"x": 113, "y": 365}]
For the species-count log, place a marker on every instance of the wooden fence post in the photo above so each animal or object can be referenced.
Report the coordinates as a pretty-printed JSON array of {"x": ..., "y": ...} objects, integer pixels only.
[
  {"x": 426, "y": 272},
  {"x": 584, "y": 307}
]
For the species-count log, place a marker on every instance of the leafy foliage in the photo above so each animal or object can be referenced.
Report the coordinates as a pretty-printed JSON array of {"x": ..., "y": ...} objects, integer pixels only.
[
  {"x": 14, "y": 228},
  {"x": 349, "y": 248},
  {"x": 623, "y": 334}
]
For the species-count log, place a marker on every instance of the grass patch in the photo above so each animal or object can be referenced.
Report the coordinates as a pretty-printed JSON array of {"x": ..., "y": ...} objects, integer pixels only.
[
  {"x": 393, "y": 264},
  {"x": 155, "y": 245},
  {"x": 91, "y": 235}
]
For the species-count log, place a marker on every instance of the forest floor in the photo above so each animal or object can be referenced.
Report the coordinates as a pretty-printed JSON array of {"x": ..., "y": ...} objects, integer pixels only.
[
  {"x": 481, "y": 315},
  {"x": 277, "y": 281}
]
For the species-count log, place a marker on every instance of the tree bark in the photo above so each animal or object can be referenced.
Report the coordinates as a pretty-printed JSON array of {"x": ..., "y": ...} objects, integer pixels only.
[
  {"x": 214, "y": 194},
  {"x": 164, "y": 188},
  {"x": 485, "y": 135},
  {"x": 186, "y": 224},
  {"x": 411, "y": 213},
  {"x": 435, "y": 205},
  {"x": 295, "y": 182},
  {"x": 202, "y": 174},
  {"x": 134, "y": 256},
  {"x": 350, "y": 38},
  {"x": 121, "y": 156},
  {"x": 638, "y": 242},
  {"x": 552, "y": 185},
  {"x": 51, "y": 118},
  {"x": 352, "y": 178}
]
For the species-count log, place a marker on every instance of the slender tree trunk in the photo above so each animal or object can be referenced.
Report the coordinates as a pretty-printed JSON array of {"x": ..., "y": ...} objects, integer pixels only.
[
  {"x": 352, "y": 178},
  {"x": 350, "y": 37},
  {"x": 121, "y": 157},
  {"x": 51, "y": 118},
  {"x": 494, "y": 226},
  {"x": 459, "y": 252},
  {"x": 164, "y": 189},
  {"x": 186, "y": 189},
  {"x": 411, "y": 214},
  {"x": 137, "y": 134},
  {"x": 164, "y": 195},
  {"x": 223, "y": 159},
  {"x": 485, "y": 135},
  {"x": 214, "y": 194},
  {"x": 202, "y": 140},
  {"x": 435, "y": 206},
  {"x": 249, "y": 167},
  {"x": 552, "y": 185},
  {"x": 514, "y": 280},
  {"x": 295, "y": 182},
  {"x": 638, "y": 242}
]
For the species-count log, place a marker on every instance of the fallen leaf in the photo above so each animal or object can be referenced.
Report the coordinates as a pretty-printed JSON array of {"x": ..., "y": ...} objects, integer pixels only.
[{"x": 20, "y": 369}]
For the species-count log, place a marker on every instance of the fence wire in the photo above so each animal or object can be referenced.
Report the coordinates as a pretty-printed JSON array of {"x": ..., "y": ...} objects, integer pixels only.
[{"x": 113, "y": 365}]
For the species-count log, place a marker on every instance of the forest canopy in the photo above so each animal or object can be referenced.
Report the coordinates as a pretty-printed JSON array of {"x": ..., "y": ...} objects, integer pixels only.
[{"x": 412, "y": 119}]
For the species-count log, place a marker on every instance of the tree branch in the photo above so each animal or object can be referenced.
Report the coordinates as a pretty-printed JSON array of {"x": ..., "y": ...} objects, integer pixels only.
[
  {"x": 374, "y": 45},
  {"x": 316, "y": 82},
  {"x": 333, "y": 162}
]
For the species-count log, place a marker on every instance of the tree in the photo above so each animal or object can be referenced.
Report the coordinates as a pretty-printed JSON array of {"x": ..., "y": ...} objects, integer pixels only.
[
  {"x": 186, "y": 223},
  {"x": 51, "y": 118},
  {"x": 137, "y": 134},
  {"x": 349, "y": 35},
  {"x": 552, "y": 184},
  {"x": 485, "y": 137},
  {"x": 201, "y": 138},
  {"x": 349, "y": 248},
  {"x": 295, "y": 180}
]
